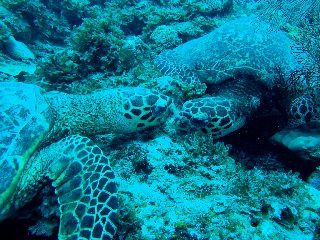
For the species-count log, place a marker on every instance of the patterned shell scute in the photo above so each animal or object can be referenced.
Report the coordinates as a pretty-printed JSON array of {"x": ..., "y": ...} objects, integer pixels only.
[
  {"x": 24, "y": 121},
  {"x": 243, "y": 46}
]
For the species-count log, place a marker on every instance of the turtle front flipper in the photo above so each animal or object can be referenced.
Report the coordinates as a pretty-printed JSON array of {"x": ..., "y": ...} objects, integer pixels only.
[
  {"x": 84, "y": 184},
  {"x": 218, "y": 116}
]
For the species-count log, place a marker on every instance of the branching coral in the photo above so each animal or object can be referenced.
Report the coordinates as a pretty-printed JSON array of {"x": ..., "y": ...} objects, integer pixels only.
[
  {"x": 98, "y": 41},
  {"x": 60, "y": 67},
  {"x": 302, "y": 20},
  {"x": 293, "y": 11}
]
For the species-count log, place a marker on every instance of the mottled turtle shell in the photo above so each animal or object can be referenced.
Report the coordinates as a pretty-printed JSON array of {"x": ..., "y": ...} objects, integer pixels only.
[
  {"x": 245, "y": 46},
  {"x": 24, "y": 122}
]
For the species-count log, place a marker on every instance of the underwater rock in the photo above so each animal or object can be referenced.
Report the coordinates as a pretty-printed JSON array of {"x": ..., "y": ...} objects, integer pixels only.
[
  {"x": 305, "y": 142},
  {"x": 194, "y": 190},
  {"x": 314, "y": 179},
  {"x": 14, "y": 68},
  {"x": 14, "y": 24},
  {"x": 18, "y": 50}
]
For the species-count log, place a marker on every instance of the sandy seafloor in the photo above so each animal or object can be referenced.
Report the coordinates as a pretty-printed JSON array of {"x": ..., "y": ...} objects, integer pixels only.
[{"x": 172, "y": 185}]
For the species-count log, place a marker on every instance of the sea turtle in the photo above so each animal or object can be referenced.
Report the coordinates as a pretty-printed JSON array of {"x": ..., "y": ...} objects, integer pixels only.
[
  {"x": 241, "y": 61},
  {"x": 32, "y": 119}
]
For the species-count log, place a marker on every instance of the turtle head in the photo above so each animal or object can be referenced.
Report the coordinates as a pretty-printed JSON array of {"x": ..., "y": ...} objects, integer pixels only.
[
  {"x": 212, "y": 115},
  {"x": 145, "y": 108}
]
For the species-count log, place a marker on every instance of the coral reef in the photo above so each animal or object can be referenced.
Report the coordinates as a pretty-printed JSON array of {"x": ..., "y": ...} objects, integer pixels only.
[
  {"x": 171, "y": 185},
  {"x": 314, "y": 179},
  {"x": 111, "y": 38},
  {"x": 190, "y": 188}
]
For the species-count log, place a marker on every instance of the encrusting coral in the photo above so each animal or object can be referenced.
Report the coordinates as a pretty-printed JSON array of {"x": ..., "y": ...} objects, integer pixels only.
[{"x": 190, "y": 188}]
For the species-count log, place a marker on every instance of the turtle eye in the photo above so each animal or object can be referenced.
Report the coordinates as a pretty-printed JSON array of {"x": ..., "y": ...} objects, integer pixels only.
[
  {"x": 157, "y": 110},
  {"x": 199, "y": 122}
]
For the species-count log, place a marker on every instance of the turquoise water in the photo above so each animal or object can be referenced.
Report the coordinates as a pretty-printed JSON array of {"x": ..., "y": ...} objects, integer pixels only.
[{"x": 179, "y": 119}]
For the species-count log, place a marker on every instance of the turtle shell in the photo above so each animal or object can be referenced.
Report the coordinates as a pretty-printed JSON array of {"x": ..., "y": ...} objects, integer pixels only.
[
  {"x": 243, "y": 47},
  {"x": 24, "y": 122}
]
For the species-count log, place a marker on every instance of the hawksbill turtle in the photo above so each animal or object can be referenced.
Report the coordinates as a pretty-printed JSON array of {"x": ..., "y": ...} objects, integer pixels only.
[
  {"x": 32, "y": 119},
  {"x": 241, "y": 61}
]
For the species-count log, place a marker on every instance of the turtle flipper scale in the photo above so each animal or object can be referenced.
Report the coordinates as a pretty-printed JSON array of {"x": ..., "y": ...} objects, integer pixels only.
[{"x": 84, "y": 184}]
